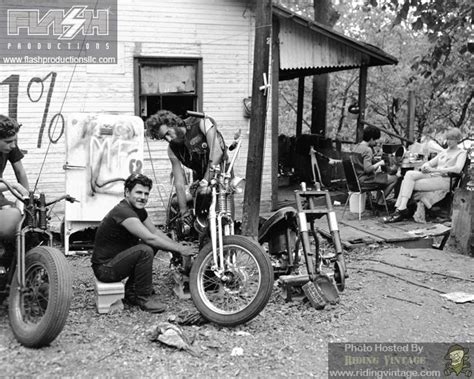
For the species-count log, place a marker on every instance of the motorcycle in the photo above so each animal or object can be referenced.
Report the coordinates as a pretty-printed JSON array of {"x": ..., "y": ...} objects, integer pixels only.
[
  {"x": 290, "y": 234},
  {"x": 38, "y": 281},
  {"x": 231, "y": 278}
]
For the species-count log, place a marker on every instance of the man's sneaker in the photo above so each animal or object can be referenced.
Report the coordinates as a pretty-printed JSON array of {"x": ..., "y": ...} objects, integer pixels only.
[{"x": 150, "y": 304}]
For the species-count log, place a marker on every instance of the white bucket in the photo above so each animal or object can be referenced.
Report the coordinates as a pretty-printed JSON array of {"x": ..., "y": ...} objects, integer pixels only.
[{"x": 354, "y": 202}]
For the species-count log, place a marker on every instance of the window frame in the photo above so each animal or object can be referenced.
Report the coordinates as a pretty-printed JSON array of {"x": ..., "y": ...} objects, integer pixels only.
[{"x": 159, "y": 60}]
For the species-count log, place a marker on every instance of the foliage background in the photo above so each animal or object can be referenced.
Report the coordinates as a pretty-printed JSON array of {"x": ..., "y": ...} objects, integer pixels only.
[{"x": 430, "y": 39}]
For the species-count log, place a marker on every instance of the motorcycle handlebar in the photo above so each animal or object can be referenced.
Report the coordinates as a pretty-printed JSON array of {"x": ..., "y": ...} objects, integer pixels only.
[
  {"x": 202, "y": 115},
  {"x": 24, "y": 199},
  {"x": 13, "y": 191},
  {"x": 196, "y": 114},
  {"x": 64, "y": 197}
]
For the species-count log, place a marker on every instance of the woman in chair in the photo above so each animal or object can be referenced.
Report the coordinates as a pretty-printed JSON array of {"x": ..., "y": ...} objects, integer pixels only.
[{"x": 432, "y": 175}]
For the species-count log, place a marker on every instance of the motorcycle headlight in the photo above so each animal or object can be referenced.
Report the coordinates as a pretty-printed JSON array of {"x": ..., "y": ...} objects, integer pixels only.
[{"x": 237, "y": 184}]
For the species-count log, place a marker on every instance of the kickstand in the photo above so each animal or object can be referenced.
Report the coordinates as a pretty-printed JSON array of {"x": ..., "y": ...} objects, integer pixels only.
[{"x": 181, "y": 286}]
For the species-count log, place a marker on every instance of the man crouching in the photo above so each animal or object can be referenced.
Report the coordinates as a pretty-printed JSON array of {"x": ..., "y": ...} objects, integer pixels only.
[{"x": 126, "y": 242}]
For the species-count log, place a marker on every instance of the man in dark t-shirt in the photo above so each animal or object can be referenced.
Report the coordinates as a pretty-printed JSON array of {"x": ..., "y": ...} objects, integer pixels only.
[
  {"x": 10, "y": 216},
  {"x": 125, "y": 244}
]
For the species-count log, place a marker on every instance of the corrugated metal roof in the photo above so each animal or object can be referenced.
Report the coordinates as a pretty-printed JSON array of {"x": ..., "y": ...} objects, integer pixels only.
[{"x": 308, "y": 48}]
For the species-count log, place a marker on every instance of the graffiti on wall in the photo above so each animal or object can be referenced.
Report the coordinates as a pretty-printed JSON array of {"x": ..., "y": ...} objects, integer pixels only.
[
  {"x": 37, "y": 89},
  {"x": 110, "y": 146},
  {"x": 101, "y": 151}
]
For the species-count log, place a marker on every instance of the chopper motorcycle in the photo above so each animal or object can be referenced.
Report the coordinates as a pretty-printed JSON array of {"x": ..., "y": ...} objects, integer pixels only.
[
  {"x": 38, "y": 281},
  {"x": 231, "y": 278}
]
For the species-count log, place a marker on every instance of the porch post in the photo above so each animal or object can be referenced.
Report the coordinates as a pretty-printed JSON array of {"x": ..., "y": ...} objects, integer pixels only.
[
  {"x": 411, "y": 116},
  {"x": 300, "y": 105},
  {"x": 362, "y": 102}
]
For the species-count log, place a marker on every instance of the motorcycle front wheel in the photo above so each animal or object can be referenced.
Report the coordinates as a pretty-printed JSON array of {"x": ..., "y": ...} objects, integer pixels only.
[
  {"x": 38, "y": 312},
  {"x": 241, "y": 291}
]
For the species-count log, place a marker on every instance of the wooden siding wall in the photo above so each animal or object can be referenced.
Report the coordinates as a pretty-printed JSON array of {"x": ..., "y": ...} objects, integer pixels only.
[{"x": 219, "y": 32}]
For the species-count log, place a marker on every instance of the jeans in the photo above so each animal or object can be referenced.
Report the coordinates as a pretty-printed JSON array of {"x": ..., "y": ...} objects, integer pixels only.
[{"x": 136, "y": 263}]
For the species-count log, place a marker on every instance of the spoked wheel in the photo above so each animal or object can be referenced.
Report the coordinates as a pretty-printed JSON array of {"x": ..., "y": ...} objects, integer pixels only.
[
  {"x": 38, "y": 312},
  {"x": 241, "y": 291}
]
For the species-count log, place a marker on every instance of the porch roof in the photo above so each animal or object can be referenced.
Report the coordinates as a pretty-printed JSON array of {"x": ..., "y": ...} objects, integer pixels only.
[{"x": 310, "y": 48}]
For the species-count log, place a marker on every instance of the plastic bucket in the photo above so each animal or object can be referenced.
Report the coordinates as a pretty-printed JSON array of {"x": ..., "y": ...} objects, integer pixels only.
[{"x": 354, "y": 202}]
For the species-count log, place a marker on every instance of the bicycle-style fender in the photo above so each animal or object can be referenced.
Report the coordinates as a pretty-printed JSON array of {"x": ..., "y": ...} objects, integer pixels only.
[{"x": 281, "y": 219}]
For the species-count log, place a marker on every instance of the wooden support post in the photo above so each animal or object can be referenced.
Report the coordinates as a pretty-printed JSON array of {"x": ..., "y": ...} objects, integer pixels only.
[
  {"x": 319, "y": 104},
  {"x": 411, "y": 116},
  {"x": 462, "y": 229},
  {"x": 263, "y": 29},
  {"x": 362, "y": 102},
  {"x": 300, "y": 106},
  {"x": 275, "y": 125}
]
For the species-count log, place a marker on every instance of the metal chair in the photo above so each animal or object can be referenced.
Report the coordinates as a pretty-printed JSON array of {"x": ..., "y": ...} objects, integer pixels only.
[
  {"x": 459, "y": 180},
  {"x": 316, "y": 171},
  {"x": 355, "y": 187}
]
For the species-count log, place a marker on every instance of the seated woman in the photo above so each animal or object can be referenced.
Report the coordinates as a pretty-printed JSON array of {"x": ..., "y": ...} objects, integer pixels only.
[{"x": 432, "y": 175}]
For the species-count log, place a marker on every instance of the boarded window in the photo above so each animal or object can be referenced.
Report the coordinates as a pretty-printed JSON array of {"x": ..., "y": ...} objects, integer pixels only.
[
  {"x": 159, "y": 80},
  {"x": 174, "y": 84}
]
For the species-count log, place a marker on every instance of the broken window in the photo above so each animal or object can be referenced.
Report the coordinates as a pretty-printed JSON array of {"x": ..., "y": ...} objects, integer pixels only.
[{"x": 171, "y": 84}]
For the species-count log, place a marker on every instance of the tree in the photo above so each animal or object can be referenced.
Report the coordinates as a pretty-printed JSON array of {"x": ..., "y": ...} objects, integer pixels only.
[
  {"x": 436, "y": 69},
  {"x": 324, "y": 14},
  {"x": 442, "y": 89},
  {"x": 441, "y": 71}
]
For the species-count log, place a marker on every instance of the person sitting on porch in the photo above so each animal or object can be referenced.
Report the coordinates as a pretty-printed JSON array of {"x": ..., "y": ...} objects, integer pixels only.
[
  {"x": 432, "y": 175},
  {"x": 368, "y": 171}
]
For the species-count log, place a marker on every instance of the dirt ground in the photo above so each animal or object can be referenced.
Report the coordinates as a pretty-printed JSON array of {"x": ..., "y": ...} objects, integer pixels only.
[{"x": 382, "y": 303}]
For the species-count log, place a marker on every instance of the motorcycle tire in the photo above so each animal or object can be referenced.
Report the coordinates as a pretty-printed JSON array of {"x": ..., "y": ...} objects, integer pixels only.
[
  {"x": 38, "y": 314},
  {"x": 246, "y": 285}
]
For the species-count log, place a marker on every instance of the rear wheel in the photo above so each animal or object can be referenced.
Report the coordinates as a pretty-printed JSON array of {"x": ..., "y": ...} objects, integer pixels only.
[
  {"x": 38, "y": 312},
  {"x": 239, "y": 293}
]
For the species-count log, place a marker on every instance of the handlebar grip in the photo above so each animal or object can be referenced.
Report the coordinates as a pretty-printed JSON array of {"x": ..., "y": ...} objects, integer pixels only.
[
  {"x": 233, "y": 146},
  {"x": 196, "y": 114},
  {"x": 13, "y": 191}
]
